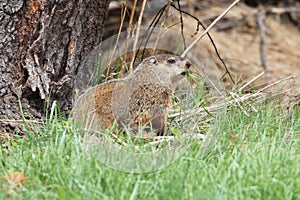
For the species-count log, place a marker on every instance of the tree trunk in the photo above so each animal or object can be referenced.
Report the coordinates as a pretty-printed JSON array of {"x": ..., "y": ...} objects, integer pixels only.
[{"x": 43, "y": 45}]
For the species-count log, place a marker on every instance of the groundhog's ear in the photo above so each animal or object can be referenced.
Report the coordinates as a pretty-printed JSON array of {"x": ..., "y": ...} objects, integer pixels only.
[{"x": 152, "y": 60}]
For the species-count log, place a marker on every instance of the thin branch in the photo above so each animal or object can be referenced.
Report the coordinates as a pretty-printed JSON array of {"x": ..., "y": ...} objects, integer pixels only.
[
  {"x": 162, "y": 24},
  {"x": 262, "y": 46},
  {"x": 211, "y": 40},
  {"x": 236, "y": 99},
  {"x": 159, "y": 139},
  {"x": 208, "y": 28},
  {"x": 214, "y": 107},
  {"x": 253, "y": 108},
  {"x": 122, "y": 71},
  {"x": 118, "y": 37},
  {"x": 13, "y": 121},
  {"x": 252, "y": 80},
  {"x": 137, "y": 33},
  {"x": 191, "y": 6},
  {"x": 276, "y": 83},
  {"x": 279, "y": 10},
  {"x": 181, "y": 24},
  {"x": 189, "y": 113},
  {"x": 151, "y": 29}
]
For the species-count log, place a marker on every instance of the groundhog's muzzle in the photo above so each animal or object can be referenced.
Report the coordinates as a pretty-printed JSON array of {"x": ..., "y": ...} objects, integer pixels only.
[{"x": 187, "y": 67}]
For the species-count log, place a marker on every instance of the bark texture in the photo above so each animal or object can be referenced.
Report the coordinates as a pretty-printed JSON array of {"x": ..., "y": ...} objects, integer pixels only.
[{"x": 43, "y": 45}]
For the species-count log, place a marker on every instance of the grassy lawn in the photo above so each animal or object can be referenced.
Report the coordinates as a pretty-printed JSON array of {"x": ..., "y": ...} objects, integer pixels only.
[{"x": 256, "y": 157}]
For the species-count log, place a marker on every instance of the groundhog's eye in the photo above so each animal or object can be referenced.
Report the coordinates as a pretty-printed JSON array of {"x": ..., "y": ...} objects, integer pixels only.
[{"x": 171, "y": 61}]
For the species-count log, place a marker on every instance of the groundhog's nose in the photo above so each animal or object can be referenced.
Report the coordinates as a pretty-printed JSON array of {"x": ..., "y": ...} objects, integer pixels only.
[{"x": 188, "y": 65}]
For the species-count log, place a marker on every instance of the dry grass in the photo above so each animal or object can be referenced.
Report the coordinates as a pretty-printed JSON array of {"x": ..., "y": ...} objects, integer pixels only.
[
  {"x": 237, "y": 37},
  {"x": 239, "y": 45}
]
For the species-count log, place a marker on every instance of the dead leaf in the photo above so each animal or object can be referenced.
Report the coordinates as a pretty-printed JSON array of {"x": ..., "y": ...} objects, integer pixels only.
[
  {"x": 13, "y": 180},
  {"x": 232, "y": 137}
]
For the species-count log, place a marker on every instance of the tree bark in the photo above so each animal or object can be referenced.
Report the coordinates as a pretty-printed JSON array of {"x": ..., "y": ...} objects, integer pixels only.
[{"x": 43, "y": 45}]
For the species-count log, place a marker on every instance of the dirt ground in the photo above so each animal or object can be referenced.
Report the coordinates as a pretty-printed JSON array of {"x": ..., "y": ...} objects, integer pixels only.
[
  {"x": 238, "y": 39},
  {"x": 239, "y": 45}
]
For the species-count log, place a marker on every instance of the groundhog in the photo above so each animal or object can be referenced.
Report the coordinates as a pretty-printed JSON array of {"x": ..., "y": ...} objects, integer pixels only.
[{"x": 140, "y": 99}]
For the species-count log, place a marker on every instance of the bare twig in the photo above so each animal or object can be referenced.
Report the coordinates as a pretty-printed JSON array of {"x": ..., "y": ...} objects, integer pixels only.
[
  {"x": 189, "y": 113},
  {"x": 278, "y": 10},
  {"x": 214, "y": 107},
  {"x": 211, "y": 40},
  {"x": 159, "y": 139},
  {"x": 181, "y": 24},
  {"x": 208, "y": 28},
  {"x": 167, "y": 9},
  {"x": 137, "y": 33},
  {"x": 249, "y": 104},
  {"x": 152, "y": 27},
  {"x": 117, "y": 42},
  {"x": 122, "y": 71},
  {"x": 276, "y": 83},
  {"x": 191, "y": 5},
  {"x": 13, "y": 121},
  {"x": 236, "y": 99},
  {"x": 251, "y": 81},
  {"x": 262, "y": 45}
]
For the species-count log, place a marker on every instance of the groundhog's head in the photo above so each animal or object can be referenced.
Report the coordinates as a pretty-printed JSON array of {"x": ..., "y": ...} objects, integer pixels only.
[{"x": 168, "y": 67}]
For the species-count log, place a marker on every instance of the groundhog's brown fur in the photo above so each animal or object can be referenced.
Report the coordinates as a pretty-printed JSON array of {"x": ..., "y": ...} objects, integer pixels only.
[{"x": 141, "y": 98}]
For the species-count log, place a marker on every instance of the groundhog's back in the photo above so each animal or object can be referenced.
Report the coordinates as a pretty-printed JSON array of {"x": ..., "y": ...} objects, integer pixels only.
[{"x": 93, "y": 109}]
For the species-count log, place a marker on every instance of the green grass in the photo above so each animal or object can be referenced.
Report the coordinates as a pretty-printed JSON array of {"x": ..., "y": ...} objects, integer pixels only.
[{"x": 261, "y": 162}]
